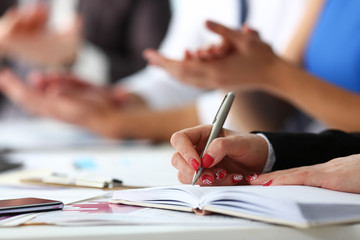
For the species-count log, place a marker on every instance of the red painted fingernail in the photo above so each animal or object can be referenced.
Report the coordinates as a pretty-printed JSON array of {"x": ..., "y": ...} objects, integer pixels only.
[
  {"x": 207, "y": 160},
  {"x": 237, "y": 178},
  {"x": 194, "y": 164},
  {"x": 251, "y": 177},
  {"x": 207, "y": 179},
  {"x": 267, "y": 183},
  {"x": 220, "y": 174}
]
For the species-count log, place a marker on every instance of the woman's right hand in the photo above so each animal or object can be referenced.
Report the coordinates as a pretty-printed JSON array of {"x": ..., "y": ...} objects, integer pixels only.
[{"x": 228, "y": 159}]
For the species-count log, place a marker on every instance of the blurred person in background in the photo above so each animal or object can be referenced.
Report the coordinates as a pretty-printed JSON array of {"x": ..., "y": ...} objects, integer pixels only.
[
  {"x": 318, "y": 73},
  {"x": 101, "y": 41},
  {"x": 150, "y": 104}
]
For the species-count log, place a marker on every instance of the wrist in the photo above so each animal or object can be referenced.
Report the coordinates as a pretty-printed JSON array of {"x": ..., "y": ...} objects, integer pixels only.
[
  {"x": 256, "y": 151},
  {"x": 270, "y": 160},
  {"x": 276, "y": 76},
  {"x": 127, "y": 124},
  {"x": 103, "y": 124}
]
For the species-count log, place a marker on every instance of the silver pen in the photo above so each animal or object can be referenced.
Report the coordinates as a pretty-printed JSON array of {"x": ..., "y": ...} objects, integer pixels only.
[{"x": 217, "y": 125}]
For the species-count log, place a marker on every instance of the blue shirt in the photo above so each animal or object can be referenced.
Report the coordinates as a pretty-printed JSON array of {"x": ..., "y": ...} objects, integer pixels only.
[{"x": 333, "y": 51}]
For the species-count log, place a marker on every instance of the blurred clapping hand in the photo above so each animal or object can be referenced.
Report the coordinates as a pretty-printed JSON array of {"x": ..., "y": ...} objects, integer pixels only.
[
  {"x": 25, "y": 35},
  {"x": 64, "y": 97}
]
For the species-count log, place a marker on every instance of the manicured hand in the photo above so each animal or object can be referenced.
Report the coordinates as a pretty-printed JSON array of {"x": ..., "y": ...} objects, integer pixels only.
[
  {"x": 341, "y": 174},
  {"x": 227, "y": 160}
]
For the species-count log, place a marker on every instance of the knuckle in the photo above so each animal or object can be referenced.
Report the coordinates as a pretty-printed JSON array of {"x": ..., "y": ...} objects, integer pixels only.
[
  {"x": 175, "y": 137},
  {"x": 181, "y": 178},
  {"x": 188, "y": 171},
  {"x": 174, "y": 159},
  {"x": 219, "y": 145}
]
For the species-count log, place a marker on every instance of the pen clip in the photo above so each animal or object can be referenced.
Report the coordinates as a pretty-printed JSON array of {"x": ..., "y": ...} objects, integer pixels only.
[{"x": 221, "y": 106}]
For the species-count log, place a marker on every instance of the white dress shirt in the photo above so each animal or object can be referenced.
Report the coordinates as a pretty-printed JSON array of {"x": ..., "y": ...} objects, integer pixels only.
[
  {"x": 186, "y": 31},
  {"x": 275, "y": 20}
]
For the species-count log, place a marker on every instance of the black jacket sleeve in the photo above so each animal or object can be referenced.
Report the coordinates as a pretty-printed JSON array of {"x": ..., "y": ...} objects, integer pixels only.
[{"x": 302, "y": 149}]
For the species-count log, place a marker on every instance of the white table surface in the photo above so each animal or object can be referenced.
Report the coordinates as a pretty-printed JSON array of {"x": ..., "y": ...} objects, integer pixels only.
[
  {"x": 144, "y": 165},
  {"x": 269, "y": 232}
]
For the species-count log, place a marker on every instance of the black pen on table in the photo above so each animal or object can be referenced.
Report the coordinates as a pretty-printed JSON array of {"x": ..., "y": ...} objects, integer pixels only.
[{"x": 217, "y": 125}]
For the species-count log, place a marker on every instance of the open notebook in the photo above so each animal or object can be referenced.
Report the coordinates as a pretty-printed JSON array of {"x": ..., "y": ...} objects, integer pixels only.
[{"x": 297, "y": 206}]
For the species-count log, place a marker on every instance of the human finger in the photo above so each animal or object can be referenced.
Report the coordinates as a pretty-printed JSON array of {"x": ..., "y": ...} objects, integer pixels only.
[
  {"x": 249, "y": 31},
  {"x": 15, "y": 90},
  {"x": 154, "y": 57},
  {"x": 191, "y": 72},
  {"x": 208, "y": 53},
  {"x": 220, "y": 177},
  {"x": 32, "y": 17},
  {"x": 228, "y": 34},
  {"x": 185, "y": 140},
  {"x": 204, "y": 54},
  {"x": 38, "y": 80},
  {"x": 184, "y": 179},
  {"x": 265, "y": 178},
  {"x": 73, "y": 32},
  {"x": 187, "y": 55},
  {"x": 305, "y": 177},
  {"x": 222, "y": 49},
  {"x": 308, "y": 176},
  {"x": 249, "y": 151},
  {"x": 61, "y": 80},
  {"x": 258, "y": 179},
  {"x": 38, "y": 17},
  {"x": 178, "y": 162}
]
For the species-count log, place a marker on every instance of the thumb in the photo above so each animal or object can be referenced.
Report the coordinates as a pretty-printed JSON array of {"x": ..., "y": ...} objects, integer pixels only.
[
  {"x": 173, "y": 67},
  {"x": 72, "y": 31},
  {"x": 76, "y": 25},
  {"x": 155, "y": 58},
  {"x": 10, "y": 84},
  {"x": 228, "y": 34}
]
